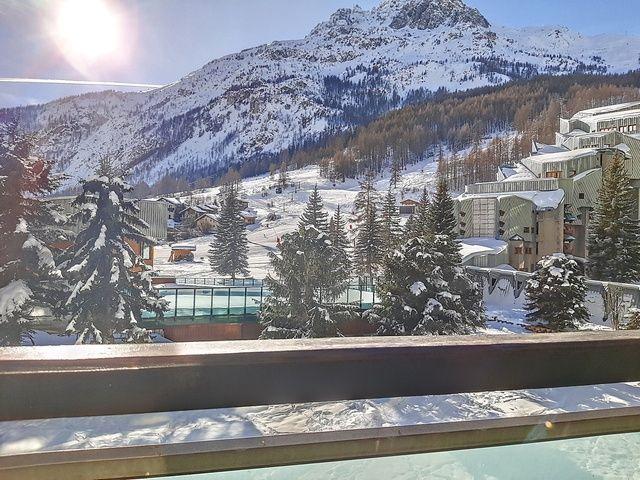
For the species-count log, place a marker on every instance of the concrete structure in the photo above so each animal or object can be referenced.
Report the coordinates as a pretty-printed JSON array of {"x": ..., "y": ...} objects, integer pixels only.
[{"x": 544, "y": 204}]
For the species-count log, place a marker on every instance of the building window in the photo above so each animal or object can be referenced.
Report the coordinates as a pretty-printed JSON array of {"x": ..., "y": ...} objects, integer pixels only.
[
  {"x": 527, "y": 230},
  {"x": 554, "y": 174},
  {"x": 528, "y": 250},
  {"x": 145, "y": 251},
  {"x": 484, "y": 217},
  {"x": 517, "y": 250},
  {"x": 502, "y": 212},
  {"x": 462, "y": 214},
  {"x": 581, "y": 196}
]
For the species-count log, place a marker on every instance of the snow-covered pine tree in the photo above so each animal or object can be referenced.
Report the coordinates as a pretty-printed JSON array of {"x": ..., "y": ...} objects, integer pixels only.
[
  {"x": 441, "y": 212},
  {"x": 614, "y": 235},
  {"x": 228, "y": 253},
  {"x": 29, "y": 277},
  {"x": 110, "y": 284},
  {"x": 309, "y": 275},
  {"x": 390, "y": 223},
  {"x": 425, "y": 291},
  {"x": 419, "y": 226},
  {"x": 556, "y": 294},
  {"x": 338, "y": 237},
  {"x": 368, "y": 249},
  {"x": 314, "y": 213}
]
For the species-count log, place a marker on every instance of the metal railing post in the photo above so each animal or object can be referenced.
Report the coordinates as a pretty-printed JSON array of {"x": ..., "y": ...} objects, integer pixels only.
[
  {"x": 175, "y": 305},
  {"x": 228, "y": 301},
  {"x": 245, "y": 300}
]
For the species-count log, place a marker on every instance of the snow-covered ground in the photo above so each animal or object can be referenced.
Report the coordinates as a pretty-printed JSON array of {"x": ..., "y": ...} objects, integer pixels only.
[{"x": 288, "y": 206}]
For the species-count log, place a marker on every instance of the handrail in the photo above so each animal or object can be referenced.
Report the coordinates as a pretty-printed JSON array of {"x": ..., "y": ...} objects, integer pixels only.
[
  {"x": 48, "y": 382},
  {"x": 122, "y": 379},
  {"x": 145, "y": 461}
]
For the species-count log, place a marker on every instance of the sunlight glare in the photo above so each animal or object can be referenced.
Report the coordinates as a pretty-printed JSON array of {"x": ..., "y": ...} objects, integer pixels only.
[{"x": 87, "y": 31}]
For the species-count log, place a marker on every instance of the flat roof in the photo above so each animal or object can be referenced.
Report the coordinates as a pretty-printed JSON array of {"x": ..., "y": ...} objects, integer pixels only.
[
  {"x": 542, "y": 199},
  {"x": 606, "y": 109},
  {"x": 563, "y": 156}
]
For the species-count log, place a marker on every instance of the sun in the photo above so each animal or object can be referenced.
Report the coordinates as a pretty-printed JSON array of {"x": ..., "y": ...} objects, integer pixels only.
[{"x": 87, "y": 32}]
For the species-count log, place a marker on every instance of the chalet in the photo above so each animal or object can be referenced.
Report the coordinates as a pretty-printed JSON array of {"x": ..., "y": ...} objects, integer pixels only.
[
  {"x": 154, "y": 214},
  {"x": 174, "y": 207},
  {"x": 190, "y": 214},
  {"x": 249, "y": 217},
  {"x": 206, "y": 223},
  {"x": 408, "y": 206}
]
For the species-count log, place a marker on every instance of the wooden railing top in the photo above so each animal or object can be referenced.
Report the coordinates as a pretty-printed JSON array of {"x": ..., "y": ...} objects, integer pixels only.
[{"x": 44, "y": 382}]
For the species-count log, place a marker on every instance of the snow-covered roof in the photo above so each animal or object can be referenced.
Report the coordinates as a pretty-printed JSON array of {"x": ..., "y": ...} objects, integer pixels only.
[
  {"x": 248, "y": 214},
  {"x": 543, "y": 200},
  {"x": 210, "y": 216},
  {"x": 593, "y": 121},
  {"x": 191, "y": 248},
  {"x": 477, "y": 246},
  {"x": 171, "y": 200},
  {"x": 563, "y": 156},
  {"x": 543, "y": 148},
  {"x": 590, "y": 112},
  {"x": 581, "y": 175}
]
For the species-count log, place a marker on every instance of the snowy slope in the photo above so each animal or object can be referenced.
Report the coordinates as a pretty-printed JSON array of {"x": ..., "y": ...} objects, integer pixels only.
[
  {"x": 267, "y": 98},
  {"x": 288, "y": 207}
]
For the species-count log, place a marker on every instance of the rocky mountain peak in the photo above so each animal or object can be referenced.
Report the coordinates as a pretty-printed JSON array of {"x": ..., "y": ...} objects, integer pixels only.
[{"x": 429, "y": 14}]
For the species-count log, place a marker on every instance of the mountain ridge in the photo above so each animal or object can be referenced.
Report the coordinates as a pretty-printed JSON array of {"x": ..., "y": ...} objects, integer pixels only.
[{"x": 349, "y": 69}]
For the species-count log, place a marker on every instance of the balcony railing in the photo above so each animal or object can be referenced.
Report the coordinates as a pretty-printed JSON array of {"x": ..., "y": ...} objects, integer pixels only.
[{"x": 52, "y": 382}]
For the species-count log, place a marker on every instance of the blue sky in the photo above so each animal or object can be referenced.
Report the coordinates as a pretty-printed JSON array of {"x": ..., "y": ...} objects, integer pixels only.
[{"x": 165, "y": 39}]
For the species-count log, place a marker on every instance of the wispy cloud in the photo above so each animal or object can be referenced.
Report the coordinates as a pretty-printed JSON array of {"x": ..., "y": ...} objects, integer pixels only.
[{"x": 57, "y": 81}]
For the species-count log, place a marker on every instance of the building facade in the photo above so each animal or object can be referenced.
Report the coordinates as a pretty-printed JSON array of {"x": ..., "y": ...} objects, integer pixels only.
[{"x": 544, "y": 204}]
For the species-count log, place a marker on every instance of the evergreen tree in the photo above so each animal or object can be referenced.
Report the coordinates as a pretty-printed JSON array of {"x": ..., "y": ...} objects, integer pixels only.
[
  {"x": 419, "y": 224},
  {"x": 29, "y": 277},
  {"x": 390, "y": 223},
  {"x": 228, "y": 253},
  {"x": 338, "y": 237},
  {"x": 425, "y": 291},
  {"x": 309, "y": 275},
  {"x": 368, "y": 249},
  {"x": 556, "y": 294},
  {"x": 441, "y": 215},
  {"x": 110, "y": 284},
  {"x": 395, "y": 172},
  {"x": 283, "y": 178},
  {"x": 314, "y": 213},
  {"x": 614, "y": 236}
]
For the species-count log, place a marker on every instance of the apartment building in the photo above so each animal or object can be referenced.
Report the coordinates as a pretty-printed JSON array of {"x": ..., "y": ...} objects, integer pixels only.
[{"x": 544, "y": 204}]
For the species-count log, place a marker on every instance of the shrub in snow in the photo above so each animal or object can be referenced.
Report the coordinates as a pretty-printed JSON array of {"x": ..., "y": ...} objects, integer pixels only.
[
  {"x": 556, "y": 294},
  {"x": 632, "y": 319},
  {"x": 110, "y": 284},
  {"x": 28, "y": 274},
  {"x": 425, "y": 291},
  {"x": 228, "y": 253},
  {"x": 614, "y": 235},
  {"x": 309, "y": 275}
]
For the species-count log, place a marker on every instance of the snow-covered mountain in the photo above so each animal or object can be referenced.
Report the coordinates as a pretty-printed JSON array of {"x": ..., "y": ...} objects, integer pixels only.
[{"x": 354, "y": 66}]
